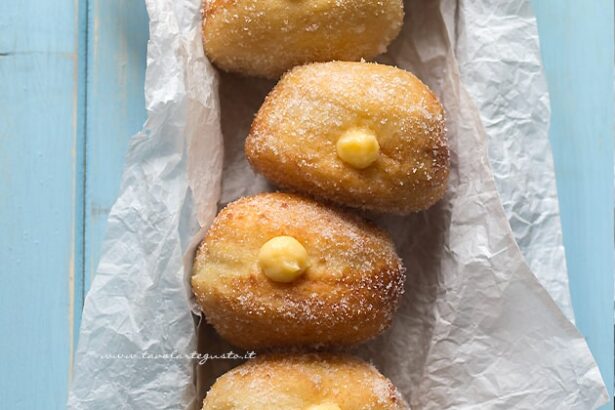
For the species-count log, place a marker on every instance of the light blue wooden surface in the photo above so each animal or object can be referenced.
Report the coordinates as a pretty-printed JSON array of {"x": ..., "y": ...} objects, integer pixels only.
[
  {"x": 116, "y": 53},
  {"x": 577, "y": 49},
  {"x": 71, "y": 95},
  {"x": 40, "y": 199}
]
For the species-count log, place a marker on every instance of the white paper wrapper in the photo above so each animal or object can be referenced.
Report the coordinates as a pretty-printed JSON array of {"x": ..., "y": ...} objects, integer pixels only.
[
  {"x": 498, "y": 55},
  {"x": 475, "y": 330}
]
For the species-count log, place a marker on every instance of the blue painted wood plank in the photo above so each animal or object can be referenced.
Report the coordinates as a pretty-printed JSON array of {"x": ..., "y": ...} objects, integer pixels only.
[
  {"x": 577, "y": 48},
  {"x": 41, "y": 176},
  {"x": 117, "y": 45}
]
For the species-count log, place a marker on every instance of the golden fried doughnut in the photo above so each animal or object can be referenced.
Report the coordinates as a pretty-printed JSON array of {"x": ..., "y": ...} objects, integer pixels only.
[
  {"x": 267, "y": 37},
  {"x": 304, "y": 382},
  {"x": 345, "y": 292},
  {"x": 315, "y": 134}
]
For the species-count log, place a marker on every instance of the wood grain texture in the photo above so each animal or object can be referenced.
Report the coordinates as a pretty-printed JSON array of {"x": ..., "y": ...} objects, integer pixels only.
[
  {"x": 56, "y": 185},
  {"x": 40, "y": 199},
  {"x": 116, "y": 53},
  {"x": 577, "y": 48}
]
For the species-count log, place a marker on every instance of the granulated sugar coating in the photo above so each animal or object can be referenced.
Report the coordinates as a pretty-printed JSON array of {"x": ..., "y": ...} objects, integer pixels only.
[
  {"x": 297, "y": 382},
  {"x": 293, "y": 138},
  {"x": 347, "y": 295},
  {"x": 267, "y": 37}
]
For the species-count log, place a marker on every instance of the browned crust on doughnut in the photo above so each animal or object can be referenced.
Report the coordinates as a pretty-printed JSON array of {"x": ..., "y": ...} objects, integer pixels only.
[
  {"x": 213, "y": 6},
  {"x": 347, "y": 295},
  {"x": 293, "y": 136},
  {"x": 265, "y": 38},
  {"x": 296, "y": 382}
]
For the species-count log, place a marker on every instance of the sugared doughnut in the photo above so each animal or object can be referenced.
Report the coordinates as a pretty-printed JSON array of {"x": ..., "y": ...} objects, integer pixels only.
[
  {"x": 359, "y": 134},
  {"x": 277, "y": 270},
  {"x": 304, "y": 382},
  {"x": 267, "y": 37}
]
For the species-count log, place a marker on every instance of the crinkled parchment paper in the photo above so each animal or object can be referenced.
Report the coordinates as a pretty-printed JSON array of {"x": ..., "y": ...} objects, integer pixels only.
[
  {"x": 477, "y": 328},
  {"x": 497, "y": 51}
]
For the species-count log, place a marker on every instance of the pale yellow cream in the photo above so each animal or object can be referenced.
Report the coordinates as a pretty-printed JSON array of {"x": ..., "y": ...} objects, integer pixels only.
[
  {"x": 283, "y": 259},
  {"x": 358, "y": 147}
]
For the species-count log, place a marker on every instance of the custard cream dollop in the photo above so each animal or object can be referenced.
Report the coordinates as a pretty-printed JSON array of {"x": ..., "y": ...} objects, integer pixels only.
[
  {"x": 358, "y": 147},
  {"x": 283, "y": 259}
]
